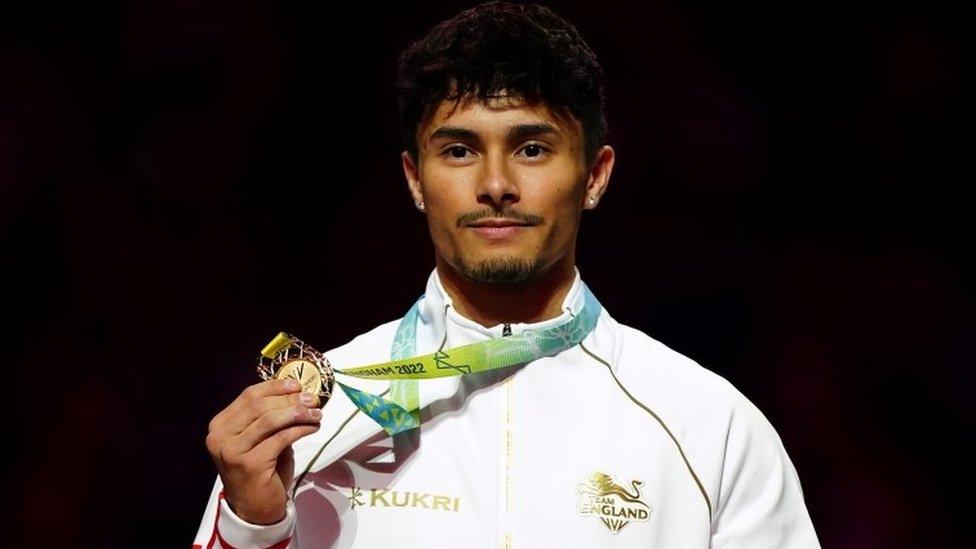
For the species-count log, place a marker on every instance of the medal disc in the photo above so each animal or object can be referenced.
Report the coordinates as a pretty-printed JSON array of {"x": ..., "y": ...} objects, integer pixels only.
[
  {"x": 293, "y": 359},
  {"x": 308, "y": 376}
]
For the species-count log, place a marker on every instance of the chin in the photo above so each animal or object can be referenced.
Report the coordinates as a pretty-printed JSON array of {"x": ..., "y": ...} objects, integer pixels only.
[{"x": 504, "y": 269}]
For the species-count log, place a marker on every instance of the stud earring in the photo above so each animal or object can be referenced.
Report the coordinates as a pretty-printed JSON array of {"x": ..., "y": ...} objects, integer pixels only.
[
  {"x": 592, "y": 199},
  {"x": 420, "y": 205}
]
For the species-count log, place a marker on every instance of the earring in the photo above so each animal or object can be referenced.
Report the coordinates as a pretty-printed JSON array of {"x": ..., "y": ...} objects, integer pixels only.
[
  {"x": 592, "y": 199},
  {"x": 420, "y": 205}
]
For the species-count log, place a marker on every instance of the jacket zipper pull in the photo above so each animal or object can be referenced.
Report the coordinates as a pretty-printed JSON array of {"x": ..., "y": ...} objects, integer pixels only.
[{"x": 507, "y": 330}]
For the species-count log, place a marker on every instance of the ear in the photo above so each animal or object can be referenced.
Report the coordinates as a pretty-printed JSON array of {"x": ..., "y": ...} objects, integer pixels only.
[
  {"x": 412, "y": 173},
  {"x": 599, "y": 177}
]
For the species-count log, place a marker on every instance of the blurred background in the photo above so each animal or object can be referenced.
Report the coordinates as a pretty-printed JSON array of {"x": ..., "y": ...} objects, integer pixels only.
[{"x": 180, "y": 180}]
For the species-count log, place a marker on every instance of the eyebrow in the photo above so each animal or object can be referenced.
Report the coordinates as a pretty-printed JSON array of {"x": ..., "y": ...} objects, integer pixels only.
[
  {"x": 519, "y": 131},
  {"x": 526, "y": 130}
]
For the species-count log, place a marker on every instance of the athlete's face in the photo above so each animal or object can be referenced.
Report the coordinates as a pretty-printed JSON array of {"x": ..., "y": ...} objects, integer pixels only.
[{"x": 503, "y": 186}]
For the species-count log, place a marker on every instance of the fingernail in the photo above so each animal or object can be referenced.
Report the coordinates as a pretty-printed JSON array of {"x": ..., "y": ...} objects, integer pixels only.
[
  {"x": 291, "y": 384},
  {"x": 315, "y": 413},
  {"x": 306, "y": 399}
]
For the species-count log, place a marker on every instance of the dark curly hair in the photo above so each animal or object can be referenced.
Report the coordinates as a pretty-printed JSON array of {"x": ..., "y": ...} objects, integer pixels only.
[{"x": 525, "y": 50}]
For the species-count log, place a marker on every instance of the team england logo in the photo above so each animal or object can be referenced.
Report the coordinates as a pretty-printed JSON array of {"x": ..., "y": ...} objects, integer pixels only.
[{"x": 614, "y": 505}]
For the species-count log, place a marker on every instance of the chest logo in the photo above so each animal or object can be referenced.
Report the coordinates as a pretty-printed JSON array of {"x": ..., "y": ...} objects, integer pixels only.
[{"x": 614, "y": 505}]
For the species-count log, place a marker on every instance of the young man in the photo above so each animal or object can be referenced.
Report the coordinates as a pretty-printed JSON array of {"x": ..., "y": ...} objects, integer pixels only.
[{"x": 577, "y": 431}]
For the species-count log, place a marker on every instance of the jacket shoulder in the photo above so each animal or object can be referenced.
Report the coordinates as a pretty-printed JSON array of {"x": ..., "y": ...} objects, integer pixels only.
[
  {"x": 685, "y": 389},
  {"x": 645, "y": 361}
]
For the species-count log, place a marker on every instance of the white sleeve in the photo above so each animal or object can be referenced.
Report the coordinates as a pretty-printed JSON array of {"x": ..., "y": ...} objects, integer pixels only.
[
  {"x": 760, "y": 503},
  {"x": 221, "y": 528}
]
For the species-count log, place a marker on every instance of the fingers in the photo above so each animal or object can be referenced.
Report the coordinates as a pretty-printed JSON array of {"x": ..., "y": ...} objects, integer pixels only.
[
  {"x": 274, "y": 409},
  {"x": 272, "y": 446},
  {"x": 245, "y": 417},
  {"x": 272, "y": 422},
  {"x": 253, "y": 402}
]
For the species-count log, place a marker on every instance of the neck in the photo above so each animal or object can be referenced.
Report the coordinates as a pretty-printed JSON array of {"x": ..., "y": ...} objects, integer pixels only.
[{"x": 492, "y": 304}]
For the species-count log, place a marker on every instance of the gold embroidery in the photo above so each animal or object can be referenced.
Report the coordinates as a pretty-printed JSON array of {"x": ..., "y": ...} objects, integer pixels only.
[{"x": 614, "y": 505}]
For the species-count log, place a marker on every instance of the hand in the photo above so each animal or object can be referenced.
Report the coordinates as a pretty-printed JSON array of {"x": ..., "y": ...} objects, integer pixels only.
[{"x": 250, "y": 442}]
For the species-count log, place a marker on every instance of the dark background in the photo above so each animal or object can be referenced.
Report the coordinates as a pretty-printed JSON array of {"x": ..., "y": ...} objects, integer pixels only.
[{"x": 179, "y": 180}]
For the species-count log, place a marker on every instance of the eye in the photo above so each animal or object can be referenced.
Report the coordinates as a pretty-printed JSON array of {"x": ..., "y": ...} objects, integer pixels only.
[
  {"x": 534, "y": 150},
  {"x": 456, "y": 151}
]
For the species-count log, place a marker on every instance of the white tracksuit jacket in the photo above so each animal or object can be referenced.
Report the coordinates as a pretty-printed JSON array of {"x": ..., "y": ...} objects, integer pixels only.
[{"x": 616, "y": 442}]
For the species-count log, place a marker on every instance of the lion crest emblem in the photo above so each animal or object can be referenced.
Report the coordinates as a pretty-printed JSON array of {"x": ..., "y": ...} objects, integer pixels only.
[{"x": 614, "y": 505}]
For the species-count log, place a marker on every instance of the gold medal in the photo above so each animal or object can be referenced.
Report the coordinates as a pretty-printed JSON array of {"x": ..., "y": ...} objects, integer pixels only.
[{"x": 289, "y": 357}]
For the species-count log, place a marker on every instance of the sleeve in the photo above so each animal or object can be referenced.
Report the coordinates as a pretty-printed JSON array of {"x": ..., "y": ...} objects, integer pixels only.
[
  {"x": 221, "y": 528},
  {"x": 760, "y": 503}
]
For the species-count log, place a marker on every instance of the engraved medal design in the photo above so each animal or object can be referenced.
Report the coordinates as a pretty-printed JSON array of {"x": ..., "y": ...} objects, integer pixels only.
[{"x": 289, "y": 357}]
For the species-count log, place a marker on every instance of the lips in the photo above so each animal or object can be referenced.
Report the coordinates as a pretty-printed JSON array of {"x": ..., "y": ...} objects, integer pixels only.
[
  {"x": 498, "y": 223},
  {"x": 495, "y": 229}
]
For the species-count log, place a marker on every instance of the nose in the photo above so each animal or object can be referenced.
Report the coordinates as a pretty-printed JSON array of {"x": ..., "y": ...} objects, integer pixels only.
[{"x": 496, "y": 187}]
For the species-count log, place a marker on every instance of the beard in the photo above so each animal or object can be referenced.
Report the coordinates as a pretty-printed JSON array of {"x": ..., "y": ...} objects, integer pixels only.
[{"x": 500, "y": 270}]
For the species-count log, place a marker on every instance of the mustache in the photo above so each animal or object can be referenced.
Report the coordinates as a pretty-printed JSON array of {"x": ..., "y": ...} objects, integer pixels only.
[{"x": 510, "y": 214}]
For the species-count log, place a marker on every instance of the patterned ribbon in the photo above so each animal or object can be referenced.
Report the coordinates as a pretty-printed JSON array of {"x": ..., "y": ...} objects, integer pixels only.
[{"x": 401, "y": 411}]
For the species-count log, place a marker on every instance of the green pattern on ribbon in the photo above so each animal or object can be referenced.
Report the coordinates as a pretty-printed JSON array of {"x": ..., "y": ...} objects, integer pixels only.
[
  {"x": 392, "y": 417},
  {"x": 401, "y": 412},
  {"x": 406, "y": 391}
]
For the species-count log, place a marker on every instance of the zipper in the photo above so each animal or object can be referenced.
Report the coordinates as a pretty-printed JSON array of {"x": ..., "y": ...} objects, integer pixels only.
[{"x": 507, "y": 330}]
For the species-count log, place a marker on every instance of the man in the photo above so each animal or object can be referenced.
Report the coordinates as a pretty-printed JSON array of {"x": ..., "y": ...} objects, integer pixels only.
[{"x": 605, "y": 437}]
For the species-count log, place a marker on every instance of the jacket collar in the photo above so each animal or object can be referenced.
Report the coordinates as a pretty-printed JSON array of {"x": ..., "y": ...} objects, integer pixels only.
[{"x": 438, "y": 318}]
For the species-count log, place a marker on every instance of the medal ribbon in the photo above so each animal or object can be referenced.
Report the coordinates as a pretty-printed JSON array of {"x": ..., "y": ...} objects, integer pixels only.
[{"x": 401, "y": 412}]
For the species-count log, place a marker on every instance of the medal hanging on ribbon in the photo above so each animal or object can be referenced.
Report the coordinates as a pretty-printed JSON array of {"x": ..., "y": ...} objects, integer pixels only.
[{"x": 287, "y": 356}]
